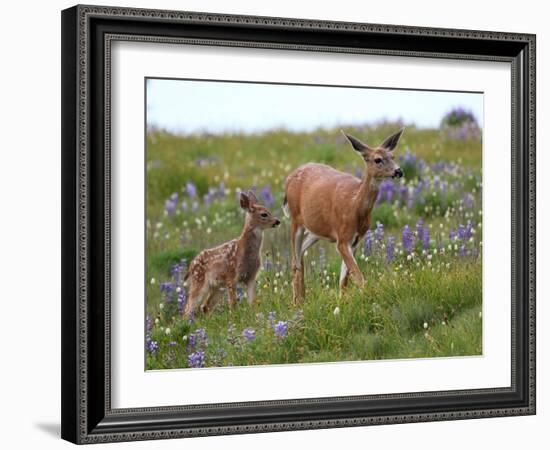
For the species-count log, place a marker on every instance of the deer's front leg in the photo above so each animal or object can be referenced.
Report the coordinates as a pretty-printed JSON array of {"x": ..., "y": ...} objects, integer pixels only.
[
  {"x": 344, "y": 271},
  {"x": 298, "y": 287},
  {"x": 347, "y": 255},
  {"x": 231, "y": 290},
  {"x": 251, "y": 292}
]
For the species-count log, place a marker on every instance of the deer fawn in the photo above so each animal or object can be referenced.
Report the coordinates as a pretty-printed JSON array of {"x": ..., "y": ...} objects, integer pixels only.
[
  {"x": 324, "y": 203},
  {"x": 236, "y": 261}
]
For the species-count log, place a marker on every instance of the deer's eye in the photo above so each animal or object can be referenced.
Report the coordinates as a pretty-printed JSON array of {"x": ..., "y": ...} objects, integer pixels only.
[
  {"x": 378, "y": 160},
  {"x": 264, "y": 215}
]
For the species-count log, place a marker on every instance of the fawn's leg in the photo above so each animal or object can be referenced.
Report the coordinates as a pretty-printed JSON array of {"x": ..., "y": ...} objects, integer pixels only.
[
  {"x": 212, "y": 300},
  {"x": 251, "y": 292},
  {"x": 197, "y": 294},
  {"x": 296, "y": 237},
  {"x": 346, "y": 252},
  {"x": 231, "y": 290}
]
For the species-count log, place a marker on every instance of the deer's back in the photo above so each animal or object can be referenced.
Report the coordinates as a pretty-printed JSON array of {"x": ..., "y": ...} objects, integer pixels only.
[
  {"x": 213, "y": 264},
  {"x": 319, "y": 195}
]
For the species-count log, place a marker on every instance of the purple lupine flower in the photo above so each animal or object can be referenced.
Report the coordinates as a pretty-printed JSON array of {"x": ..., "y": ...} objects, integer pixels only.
[
  {"x": 207, "y": 198},
  {"x": 369, "y": 240},
  {"x": 148, "y": 323},
  {"x": 281, "y": 329},
  {"x": 403, "y": 194},
  {"x": 249, "y": 334},
  {"x": 407, "y": 239},
  {"x": 182, "y": 300},
  {"x": 191, "y": 189},
  {"x": 166, "y": 287},
  {"x": 469, "y": 229},
  {"x": 468, "y": 201},
  {"x": 462, "y": 250},
  {"x": 416, "y": 193},
  {"x": 177, "y": 268},
  {"x": 184, "y": 206},
  {"x": 426, "y": 239},
  {"x": 171, "y": 204},
  {"x": 461, "y": 232},
  {"x": 379, "y": 232},
  {"x": 452, "y": 234},
  {"x": 390, "y": 249},
  {"x": 172, "y": 344},
  {"x": 437, "y": 182},
  {"x": 197, "y": 340},
  {"x": 195, "y": 206},
  {"x": 152, "y": 346},
  {"x": 196, "y": 359},
  {"x": 386, "y": 191},
  {"x": 267, "y": 196},
  {"x": 420, "y": 230}
]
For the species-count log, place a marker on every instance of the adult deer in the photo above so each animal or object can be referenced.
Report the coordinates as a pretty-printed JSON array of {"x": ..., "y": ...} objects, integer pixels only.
[{"x": 324, "y": 203}]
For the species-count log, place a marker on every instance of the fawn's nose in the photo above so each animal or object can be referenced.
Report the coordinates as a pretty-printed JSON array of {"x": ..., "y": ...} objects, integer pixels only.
[
  {"x": 277, "y": 223},
  {"x": 398, "y": 173}
]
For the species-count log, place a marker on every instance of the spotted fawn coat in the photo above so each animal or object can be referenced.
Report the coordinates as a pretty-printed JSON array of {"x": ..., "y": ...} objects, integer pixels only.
[{"x": 220, "y": 268}]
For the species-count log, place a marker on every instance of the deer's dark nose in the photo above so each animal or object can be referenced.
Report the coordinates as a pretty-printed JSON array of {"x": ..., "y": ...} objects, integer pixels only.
[
  {"x": 398, "y": 173},
  {"x": 277, "y": 223}
]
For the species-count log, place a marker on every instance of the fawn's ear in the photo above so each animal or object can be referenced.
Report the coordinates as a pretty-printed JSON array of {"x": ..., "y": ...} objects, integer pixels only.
[
  {"x": 252, "y": 197},
  {"x": 391, "y": 141},
  {"x": 245, "y": 201},
  {"x": 359, "y": 146}
]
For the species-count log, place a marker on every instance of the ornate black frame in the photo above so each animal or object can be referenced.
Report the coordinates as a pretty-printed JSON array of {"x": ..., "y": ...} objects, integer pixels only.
[{"x": 87, "y": 31}]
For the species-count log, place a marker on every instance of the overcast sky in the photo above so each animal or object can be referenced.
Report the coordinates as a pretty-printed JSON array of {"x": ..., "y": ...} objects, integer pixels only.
[{"x": 204, "y": 106}]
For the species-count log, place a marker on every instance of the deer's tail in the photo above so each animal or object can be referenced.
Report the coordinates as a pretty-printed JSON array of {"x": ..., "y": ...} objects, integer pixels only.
[
  {"x": 186, "y": 276},
  {"x": 285, "y": 207}
]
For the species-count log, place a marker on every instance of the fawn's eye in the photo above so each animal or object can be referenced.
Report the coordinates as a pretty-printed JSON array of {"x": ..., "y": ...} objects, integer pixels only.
[
  {"x": 378, "y": 160},
  {"x": 264, "y": 215}
]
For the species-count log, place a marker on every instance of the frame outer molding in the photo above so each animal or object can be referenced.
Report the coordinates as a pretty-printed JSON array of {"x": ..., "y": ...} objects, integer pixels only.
[{"x": 75, "y": 204}]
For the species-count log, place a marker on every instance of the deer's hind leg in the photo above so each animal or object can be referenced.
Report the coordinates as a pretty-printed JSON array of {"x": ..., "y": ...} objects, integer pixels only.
[
  {"x": 198, "y": 293},
  {"x": 296, "y": 238},
  {"x": 213, "y": 298}
]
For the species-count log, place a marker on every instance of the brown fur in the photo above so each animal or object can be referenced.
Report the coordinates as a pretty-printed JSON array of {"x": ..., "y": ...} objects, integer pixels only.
[
  {"x": 236, "y": 261},
  {"x": 324, "y": 203}
]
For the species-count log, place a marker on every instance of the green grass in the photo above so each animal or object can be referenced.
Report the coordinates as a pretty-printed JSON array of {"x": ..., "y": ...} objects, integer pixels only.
[{"x": 427, "y": 305}]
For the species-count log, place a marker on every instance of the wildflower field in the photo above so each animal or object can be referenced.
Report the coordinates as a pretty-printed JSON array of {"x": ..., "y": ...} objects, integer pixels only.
[{"x": 421, "y": 258}]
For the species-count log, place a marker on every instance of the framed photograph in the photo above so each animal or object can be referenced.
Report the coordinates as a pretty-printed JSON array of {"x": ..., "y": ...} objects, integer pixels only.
[{"x": 281, "y": 224}]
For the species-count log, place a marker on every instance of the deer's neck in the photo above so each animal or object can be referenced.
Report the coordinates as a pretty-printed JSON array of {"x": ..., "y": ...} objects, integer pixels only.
[
  {"x": 367, "y": 194},
  {"x": 250, "y": 240},
  {"x": 248, "y": 253}
]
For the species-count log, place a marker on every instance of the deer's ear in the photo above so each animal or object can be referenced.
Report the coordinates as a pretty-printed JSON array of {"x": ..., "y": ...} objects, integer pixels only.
[
  {"x": 245, "y": 201},
  {"x": 391, "y": 141},
  {"x": 252, "y": 197},
  {"x": 359, "y": 146}
]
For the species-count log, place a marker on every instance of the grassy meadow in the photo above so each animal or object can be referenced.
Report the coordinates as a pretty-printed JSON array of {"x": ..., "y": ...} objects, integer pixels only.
[{"x": 421, "y": 260}]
